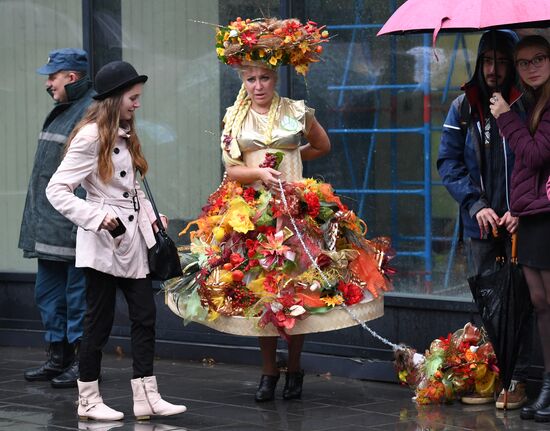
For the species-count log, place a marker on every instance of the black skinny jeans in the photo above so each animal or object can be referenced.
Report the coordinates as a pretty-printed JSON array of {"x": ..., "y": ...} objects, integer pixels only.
[{"x": 100, "y": 314}]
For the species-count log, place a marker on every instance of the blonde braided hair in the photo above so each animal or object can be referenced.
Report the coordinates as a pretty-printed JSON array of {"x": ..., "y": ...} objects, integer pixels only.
[
  {"x": 235, "y": 119},
  {"x": 240, "y": 106},
  {"x": 271, "y": 118}
]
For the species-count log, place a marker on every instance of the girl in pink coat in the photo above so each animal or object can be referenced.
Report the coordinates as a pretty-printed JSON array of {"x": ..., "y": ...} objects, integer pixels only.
[{"x": 116, "y": 225}]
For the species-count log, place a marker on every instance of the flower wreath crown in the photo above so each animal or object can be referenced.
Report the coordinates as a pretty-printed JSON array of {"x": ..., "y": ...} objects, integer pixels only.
[{"x": 271, "y": 41}]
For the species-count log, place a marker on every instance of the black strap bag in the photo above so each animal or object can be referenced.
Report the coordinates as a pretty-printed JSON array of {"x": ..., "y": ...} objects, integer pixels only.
[{"x": 164, "y": 261}]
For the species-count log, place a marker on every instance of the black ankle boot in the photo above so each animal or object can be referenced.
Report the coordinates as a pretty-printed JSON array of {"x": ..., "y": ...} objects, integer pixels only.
[
  {"x": 293, "y": 385},
  {"x": 266, "y": 389},
  {"x": 68, "y": 378},
  {"x": 71, "y": 373},
  {"x": 541, "y": 404},
  {"x": 53, "y": 367}
]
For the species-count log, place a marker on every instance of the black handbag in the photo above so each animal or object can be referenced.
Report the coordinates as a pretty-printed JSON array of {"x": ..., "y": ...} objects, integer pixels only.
[{"x": 164, "y": 261}]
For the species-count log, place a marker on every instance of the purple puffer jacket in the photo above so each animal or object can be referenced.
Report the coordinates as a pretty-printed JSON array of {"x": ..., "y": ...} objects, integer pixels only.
[{"x": 532, "y": 164}]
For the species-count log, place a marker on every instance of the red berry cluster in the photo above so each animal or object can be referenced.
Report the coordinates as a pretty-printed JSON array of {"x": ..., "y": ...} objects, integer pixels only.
[
  {"x": 270, "y": 161},
  {"x": 241, "y": 297}
]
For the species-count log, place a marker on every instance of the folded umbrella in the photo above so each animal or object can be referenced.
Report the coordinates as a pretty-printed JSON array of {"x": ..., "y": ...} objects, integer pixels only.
[{"x": 503, "y": 301}]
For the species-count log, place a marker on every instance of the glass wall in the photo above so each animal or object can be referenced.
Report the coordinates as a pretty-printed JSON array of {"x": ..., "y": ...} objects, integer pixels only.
[
  {"x": 382, "y": 100},
  {"x": 179, "y": 119},
  {"x": 29, "y": 30}
]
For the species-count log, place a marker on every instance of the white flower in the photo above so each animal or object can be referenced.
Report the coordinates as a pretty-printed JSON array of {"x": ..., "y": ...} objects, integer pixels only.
[
  {"x": 276, "y": 306},
  {"x": 296, "y": 310},
  {"x": 418, "y": 359},
  {"x": 473, "y": 349},
  {"x": 233, "y": 33},
  {"x": 314, "y": 286}
]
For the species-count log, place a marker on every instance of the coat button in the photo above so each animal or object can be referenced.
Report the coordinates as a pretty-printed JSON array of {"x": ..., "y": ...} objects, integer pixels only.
[
  {"x": 116, "y": 150},
  {"x": 122, "y": 173},
  {"x": 125, "y": 194},
  {"x": 131, "y": 217}
]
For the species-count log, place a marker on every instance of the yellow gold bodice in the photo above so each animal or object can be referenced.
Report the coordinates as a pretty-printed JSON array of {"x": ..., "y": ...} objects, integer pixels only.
[{"x": 292, "y": 120}]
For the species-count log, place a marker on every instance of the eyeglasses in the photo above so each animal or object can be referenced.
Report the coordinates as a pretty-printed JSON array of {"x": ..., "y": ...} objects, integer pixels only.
[
  {"x": 490, "y": 61},
  {"x": 537, "y": 61}
]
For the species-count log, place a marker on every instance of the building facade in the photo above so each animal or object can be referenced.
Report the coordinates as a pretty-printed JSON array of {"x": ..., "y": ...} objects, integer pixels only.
[{"x": 382, "y": 100}]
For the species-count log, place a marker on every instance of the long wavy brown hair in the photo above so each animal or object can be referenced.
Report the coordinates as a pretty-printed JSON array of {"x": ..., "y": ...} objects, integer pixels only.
[
  {"x": 540, "y": 97},
  {"x": 106, "y": 114}
]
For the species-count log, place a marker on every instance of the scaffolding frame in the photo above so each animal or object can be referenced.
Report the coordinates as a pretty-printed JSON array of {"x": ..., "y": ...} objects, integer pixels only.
[{"x": 360, "y": 186}]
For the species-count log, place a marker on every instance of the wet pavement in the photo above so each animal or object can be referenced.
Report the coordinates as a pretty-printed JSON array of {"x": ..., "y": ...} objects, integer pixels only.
[{"x": 219, "y": 397}]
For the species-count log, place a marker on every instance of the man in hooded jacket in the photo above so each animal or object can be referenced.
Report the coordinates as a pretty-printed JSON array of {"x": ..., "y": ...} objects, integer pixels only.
[
  {"x": 47, "y": 235},
  {"x": 475, "y": 166}
]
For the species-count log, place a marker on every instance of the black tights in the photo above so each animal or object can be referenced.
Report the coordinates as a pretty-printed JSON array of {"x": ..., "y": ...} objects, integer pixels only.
[{"x": 539, "y": 290}]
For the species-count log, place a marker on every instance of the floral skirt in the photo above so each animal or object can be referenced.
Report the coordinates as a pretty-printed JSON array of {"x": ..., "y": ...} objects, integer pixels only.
[{"x": 290, "y": 261}]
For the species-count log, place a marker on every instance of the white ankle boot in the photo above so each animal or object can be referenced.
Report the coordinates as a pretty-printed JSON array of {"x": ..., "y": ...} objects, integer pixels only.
[
  {"x": 91, "y": 406},
  {"x": 148, "y": 402}
]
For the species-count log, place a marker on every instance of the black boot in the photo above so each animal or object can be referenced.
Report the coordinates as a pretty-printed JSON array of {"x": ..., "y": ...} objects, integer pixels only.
[
  {"x": 53, "y": 367},
  {"x": 542, "y": 402},
  {"x": 71, "y": 374},
  {"x": 293, "y": 385},
  {"x": 266, "y": 389}
]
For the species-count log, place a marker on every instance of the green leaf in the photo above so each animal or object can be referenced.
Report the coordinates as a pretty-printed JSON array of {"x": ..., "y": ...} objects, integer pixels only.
[
  {"x": 279, "y": 155},
  {"x": 266, "y": 217},
  {"x": 325, "y": 213},
  {"x": 289, "y": 266},
  {"x": 318, "y": 310}
]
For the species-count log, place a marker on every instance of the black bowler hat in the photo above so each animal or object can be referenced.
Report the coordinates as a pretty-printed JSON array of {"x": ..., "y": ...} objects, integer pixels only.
[{"x": 114, "y": 77}]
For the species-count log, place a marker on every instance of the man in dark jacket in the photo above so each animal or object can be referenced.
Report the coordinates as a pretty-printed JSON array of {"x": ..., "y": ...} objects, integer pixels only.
[
  {"x": 475, "y": 165},
  {"x": 46, "y": 234}
]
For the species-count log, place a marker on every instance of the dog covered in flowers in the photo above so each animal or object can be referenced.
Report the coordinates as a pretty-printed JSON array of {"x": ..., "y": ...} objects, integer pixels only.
[{"x": 456, "y": 366}]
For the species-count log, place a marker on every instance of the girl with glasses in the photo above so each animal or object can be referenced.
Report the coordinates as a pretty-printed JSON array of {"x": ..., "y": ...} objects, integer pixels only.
[{"x": 530, "y": 142}]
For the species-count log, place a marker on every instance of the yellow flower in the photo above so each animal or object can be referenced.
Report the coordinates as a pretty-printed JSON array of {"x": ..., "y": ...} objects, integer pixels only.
[
  {"x": 288, "y": 39},
  {"x": 218, "y": 233},
  {"x": 238, "y": 215},
  {"x": 257, "y": 286},
  {"x": 261, "y": 53},
  {"x": 247, "y": 57},
  {"x": 273, "y": 61},
  {"x": 311, "y": 185},
  {"x": 403, "y": 375},
  {"x": 225, "y": 276},
  {"x": 331, "y": 301},
  {"x": 213, "y": 315},
  {"x": 301, "y": 69},
  {"x": 304, "y": 46},
  {"x": 220, "y": 52}
]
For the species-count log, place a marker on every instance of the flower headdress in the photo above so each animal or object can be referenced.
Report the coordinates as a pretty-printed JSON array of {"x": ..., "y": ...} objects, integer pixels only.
[{"x": 271, "y": 41}]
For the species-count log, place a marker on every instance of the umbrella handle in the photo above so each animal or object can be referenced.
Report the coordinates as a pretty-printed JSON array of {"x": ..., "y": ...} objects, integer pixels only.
[{"x": 514, "y": 257}]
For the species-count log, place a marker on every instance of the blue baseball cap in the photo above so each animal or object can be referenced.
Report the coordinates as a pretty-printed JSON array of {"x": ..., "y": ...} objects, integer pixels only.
[{"x": 65, "y": 59}]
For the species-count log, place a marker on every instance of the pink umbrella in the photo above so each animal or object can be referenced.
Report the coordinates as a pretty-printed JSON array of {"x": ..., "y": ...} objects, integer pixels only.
[{"x": 423, "y": 16}]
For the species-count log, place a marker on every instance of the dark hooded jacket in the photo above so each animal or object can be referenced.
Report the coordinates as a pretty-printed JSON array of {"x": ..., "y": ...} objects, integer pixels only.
[
  {"x": 477, "y": 175},
  {"x": 45, "y": 233}
]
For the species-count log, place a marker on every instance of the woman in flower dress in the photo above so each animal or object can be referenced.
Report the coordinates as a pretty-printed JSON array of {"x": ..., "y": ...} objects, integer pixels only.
[{"x": 272, "y": 245}]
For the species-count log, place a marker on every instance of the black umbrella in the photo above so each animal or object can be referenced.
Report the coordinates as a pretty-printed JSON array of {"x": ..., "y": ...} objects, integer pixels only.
[{"x": 504, "y": 305}]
